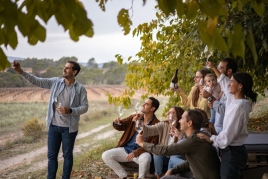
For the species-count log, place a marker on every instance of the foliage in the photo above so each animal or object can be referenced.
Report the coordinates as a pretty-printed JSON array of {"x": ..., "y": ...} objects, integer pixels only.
[
  {"x": 115, "y": 76},
  {"x": 110, "y": 73},
  {"x": 259, "y": 117},
  {"x": 92, "y": 63},
  {"x": 177, "y": 41},
  {"x": 9, "y": 79},
  {"x": 209, "y": 16},
  {"x": 33, "y": 127},
  {"x": 32, "y": 62},
  {"x": 26, "y": 16},
  {"x": 111, "y": 64}
]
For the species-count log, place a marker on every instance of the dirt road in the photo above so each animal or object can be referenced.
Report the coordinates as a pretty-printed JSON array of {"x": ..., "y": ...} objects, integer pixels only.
[{"x": 17, "y": 165}]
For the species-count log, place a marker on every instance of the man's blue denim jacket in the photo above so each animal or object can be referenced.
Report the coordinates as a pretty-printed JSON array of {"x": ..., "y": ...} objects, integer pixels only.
[{"x": 79, "y": 102}]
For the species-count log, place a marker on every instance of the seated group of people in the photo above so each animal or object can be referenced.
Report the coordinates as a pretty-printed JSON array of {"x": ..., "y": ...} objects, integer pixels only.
[{"x": 188, "y": 144}]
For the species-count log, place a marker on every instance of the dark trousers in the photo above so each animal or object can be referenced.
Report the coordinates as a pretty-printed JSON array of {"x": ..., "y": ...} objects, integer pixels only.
[
  {"x": 57, "y": 136},
  {"x": 233, "y": 160}
]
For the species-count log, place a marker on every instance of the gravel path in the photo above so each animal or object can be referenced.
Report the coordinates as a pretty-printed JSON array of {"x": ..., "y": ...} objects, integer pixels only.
[{"x": 9, "y": 168}]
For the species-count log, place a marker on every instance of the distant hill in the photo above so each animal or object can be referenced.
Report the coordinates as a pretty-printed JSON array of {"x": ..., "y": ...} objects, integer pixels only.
[
  {"x": 11, "y": 59},
  {"x": 85, "y": 64}
]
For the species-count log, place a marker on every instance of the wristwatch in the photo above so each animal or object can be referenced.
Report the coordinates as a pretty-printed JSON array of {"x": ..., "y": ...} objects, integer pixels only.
[{"x": 210, "y": 98}]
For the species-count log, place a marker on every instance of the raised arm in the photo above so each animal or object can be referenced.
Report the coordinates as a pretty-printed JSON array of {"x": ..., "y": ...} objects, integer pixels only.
[
  {"x": 153, "y": 129},
  {"x": 40, "y": 82},
  {"x": 186, "y": 146},
  {"x": 212, "y": 67}
]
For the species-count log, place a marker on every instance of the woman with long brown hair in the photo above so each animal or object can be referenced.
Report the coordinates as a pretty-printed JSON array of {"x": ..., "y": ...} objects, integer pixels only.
[
  {"x": 162, "y": 129},
  {"x": 195, "y": 98}
]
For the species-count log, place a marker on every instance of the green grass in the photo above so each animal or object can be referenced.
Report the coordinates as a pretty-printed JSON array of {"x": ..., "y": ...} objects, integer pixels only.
[
  {"x": 88, "y": 162},
  {"x": 14, "y": 114}
]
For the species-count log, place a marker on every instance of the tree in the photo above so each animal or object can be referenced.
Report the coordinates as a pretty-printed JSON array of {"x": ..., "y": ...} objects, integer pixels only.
[
  {"x": 68, "y": 13},
  {"x": 116, "y": 75},
  {"x": 26, "y": 16},
  {"x": 229, "y": 27},
  {"x": 178, "y": 40},
  {"x": 111, "y": 64},
  {"x": 92, "y": 63}
]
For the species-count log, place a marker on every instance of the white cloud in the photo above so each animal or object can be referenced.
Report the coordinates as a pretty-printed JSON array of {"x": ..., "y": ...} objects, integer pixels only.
[{"x": 107, "y": 41}]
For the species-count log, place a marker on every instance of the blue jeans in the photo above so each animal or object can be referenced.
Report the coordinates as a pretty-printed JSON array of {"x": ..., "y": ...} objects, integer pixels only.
[
  {"x": 159, "y": 161},
  {"x": 212, "y": 114},
  {"x": 233, "y": 160},
  {"x": 57, "y": 136},
  {"x": 175, "y": 160}
]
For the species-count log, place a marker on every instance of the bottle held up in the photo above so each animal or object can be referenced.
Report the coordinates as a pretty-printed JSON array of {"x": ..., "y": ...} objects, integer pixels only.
[{"x": 174, "y": 80}]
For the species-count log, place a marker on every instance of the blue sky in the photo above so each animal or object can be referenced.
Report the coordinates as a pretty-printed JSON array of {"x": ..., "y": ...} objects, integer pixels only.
[{"x": 108, "y": 39}]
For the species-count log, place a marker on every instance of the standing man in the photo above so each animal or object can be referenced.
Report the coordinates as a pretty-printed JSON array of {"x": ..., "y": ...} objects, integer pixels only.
[
  {"x": 68, "y": 100},
  {"x": 127, "y": 150},
  {"x": 228, "y": 67},
  {"x": 201, "y": 158}
]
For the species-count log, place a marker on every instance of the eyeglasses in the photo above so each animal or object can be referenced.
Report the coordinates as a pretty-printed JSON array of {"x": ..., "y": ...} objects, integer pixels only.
[{"x": 219, "y": 67}]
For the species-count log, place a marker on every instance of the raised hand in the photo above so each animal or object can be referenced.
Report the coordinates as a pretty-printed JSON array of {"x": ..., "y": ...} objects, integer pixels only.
[
  {"x": 117, "y": 121},
  {"x": 16, "y": 66},
  {"x": 210, "y": 64}
]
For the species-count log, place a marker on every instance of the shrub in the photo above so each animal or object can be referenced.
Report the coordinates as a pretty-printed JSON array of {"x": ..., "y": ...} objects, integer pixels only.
[{"x": 33, "y": 128}]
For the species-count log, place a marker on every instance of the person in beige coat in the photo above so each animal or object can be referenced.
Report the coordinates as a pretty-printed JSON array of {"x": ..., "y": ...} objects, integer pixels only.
[{"x": 162, "y": 129}]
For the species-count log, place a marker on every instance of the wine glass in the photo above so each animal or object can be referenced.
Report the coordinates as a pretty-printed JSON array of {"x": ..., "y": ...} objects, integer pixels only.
[
  {"x": 208, "y": 53},
  {"x": 58, "y": 106},
  {"x": 137, "y": 107},
  {"x": 139, "y": 126},
  {"x": 170, "y": 118},
  {"x": 120, "y": 111}
]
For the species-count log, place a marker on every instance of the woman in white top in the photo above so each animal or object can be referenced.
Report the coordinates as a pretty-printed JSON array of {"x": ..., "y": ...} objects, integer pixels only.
[
  {"x": 162, "y": 129},
  {"x": 230, "y": 140}
]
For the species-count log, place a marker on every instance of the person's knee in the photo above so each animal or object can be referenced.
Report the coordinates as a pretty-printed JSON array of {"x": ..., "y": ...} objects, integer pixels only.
[
  {"x": 146, "y": 159},
  {"x": 157, "y": 158},
  {"x": 68, "y": 155},
  {"x": 51, "y": 155},
  {"x": 104, "y": 156}
]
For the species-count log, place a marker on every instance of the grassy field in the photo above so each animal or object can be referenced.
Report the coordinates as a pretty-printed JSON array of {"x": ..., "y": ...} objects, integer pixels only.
[
  {"x": 87, "y": 163},
  {"x": 13, "y": 143}
]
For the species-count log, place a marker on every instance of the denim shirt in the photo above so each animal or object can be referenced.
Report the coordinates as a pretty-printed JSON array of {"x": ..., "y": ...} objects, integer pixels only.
[
  {"x": 78, "y": 102},
  {"x": 131, "y": 144}
]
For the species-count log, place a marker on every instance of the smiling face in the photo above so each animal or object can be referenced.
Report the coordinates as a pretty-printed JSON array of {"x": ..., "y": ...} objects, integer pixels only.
[
  {"x": 172, "y": 112},
  {"x": 184, "y": 124},
  {"x": 197, "y": 78},
  {"x": 222, "y": 67},
  {"x": 68, "y": 71},
  {"x": 234, "y": 86},
  {"x": 147, "y": 107}
]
